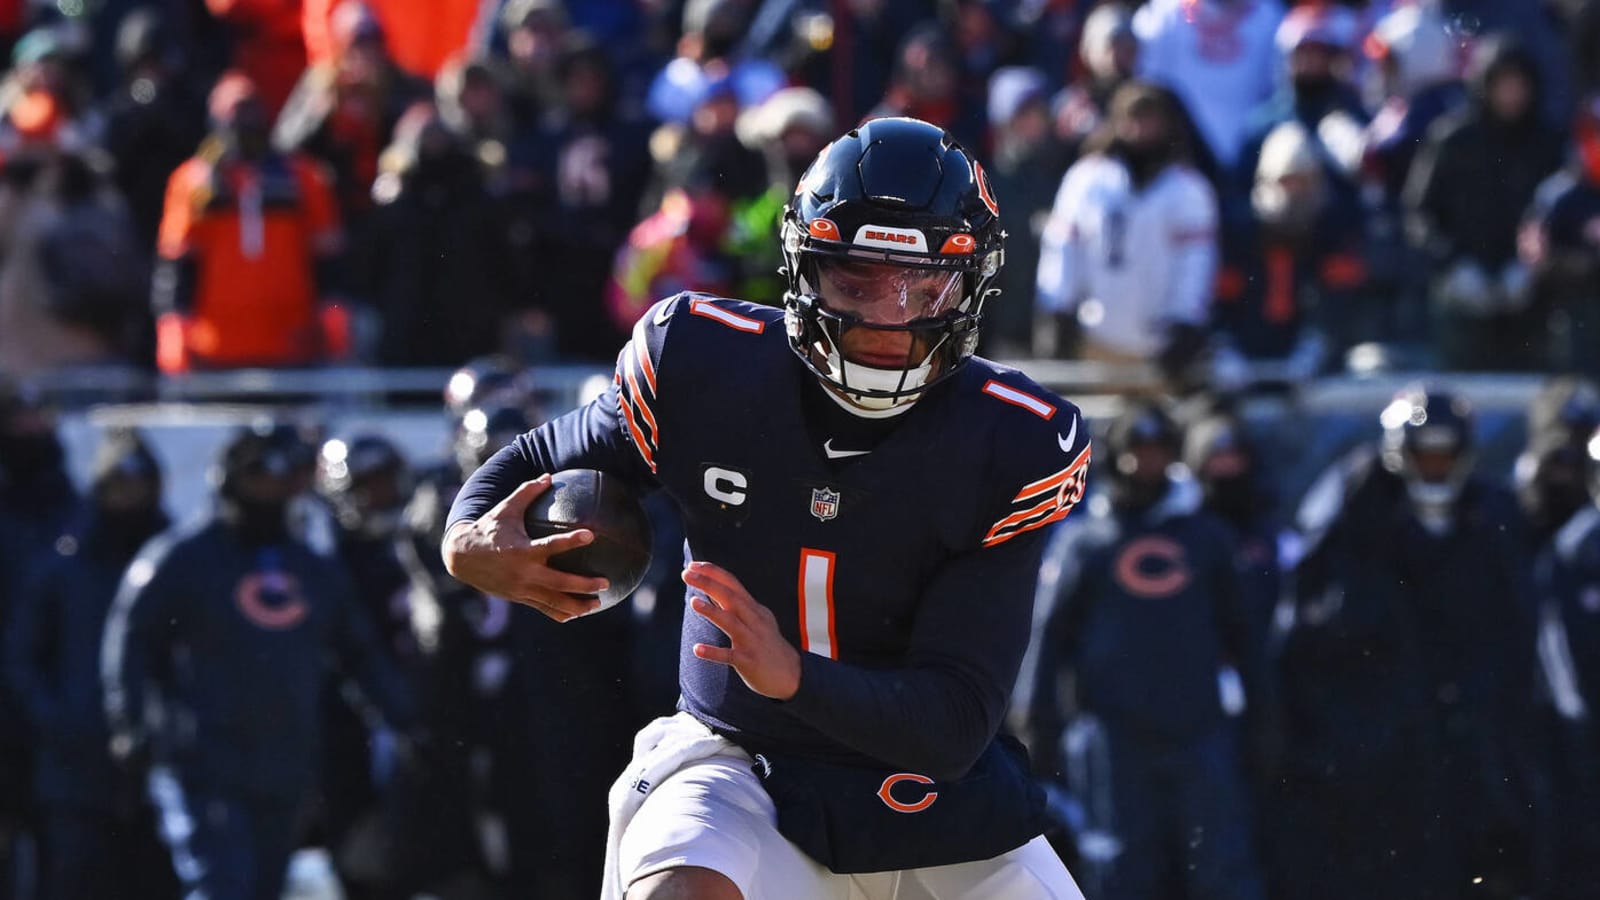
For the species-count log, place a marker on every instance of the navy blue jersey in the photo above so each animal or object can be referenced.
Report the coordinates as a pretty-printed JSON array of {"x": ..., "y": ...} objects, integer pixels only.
[{"x": 902, "y": 565}]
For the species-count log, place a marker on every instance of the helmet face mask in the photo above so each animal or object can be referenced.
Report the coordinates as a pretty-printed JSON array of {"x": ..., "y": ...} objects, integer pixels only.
[
  {"x": 1427, "y": 441},
  {"x": 872, "y": 309}
]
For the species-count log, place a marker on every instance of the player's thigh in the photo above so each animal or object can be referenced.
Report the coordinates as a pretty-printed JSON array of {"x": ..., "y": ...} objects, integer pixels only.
[
  {"x": 713, "y": 814},
  {"x": 1031, "y": 872}
]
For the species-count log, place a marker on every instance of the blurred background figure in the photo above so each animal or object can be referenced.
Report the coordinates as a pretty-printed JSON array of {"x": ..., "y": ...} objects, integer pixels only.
[
  {"x": 249, "y": 249},
  {"x": 709, "y": 50},
  {"x": 1129, "y": 257},
  {"x": 1291, "y": 285},
  {"x": 1109, "y": 50},
  {"x": 345, "y": 108},
  {"x": 1465, "y": 197},
  {"x": 1142, "y": 614},
  {"x": 214, "y": 625},
  {"x": 436, "y": 266},
  {"x": 268, "y": 45},
  {"x": 1559, "y": 244},
  {"x": 577, "y": 177},
  {"x": 1218, "y": 56},
  {"x": 99, "y": 831},
  {"x": 365, "y": 481},
  {"x": 73, "y": 277},
  {"x": 155, "y": 117},
  {"x": 927, "y": 84},
  {"x": 1024, "y": 171},
  {"x": 1412, "y": 627}
]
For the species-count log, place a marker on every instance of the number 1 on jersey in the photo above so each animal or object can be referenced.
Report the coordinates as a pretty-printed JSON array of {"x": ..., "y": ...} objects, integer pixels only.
[{"x": 816, "y": 603}]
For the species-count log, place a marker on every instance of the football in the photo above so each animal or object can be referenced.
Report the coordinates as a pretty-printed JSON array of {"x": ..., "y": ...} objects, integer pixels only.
[{"x": 586, "y": 498}]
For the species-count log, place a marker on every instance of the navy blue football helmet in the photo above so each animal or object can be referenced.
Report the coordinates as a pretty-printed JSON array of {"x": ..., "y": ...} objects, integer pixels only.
[{"x": 904, "y": 195}]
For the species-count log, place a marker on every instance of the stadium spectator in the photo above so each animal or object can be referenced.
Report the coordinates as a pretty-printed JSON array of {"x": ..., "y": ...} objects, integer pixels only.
[
  {"x": 1406, "y": 670},
  {"x": 1130, "y": 249},
  {"x": 709, "y": 51},
  {"x": 248, "y": 251},
  {"x": 344, "y": 109},
  {"x": 576, "y": 184},
  {"x": 679, "y": 247},
  {"x": 1316, "y": 90},
  {"x": 1559, "y": 243},
  {"x": 788, "y": 129},
  {"x": 537, "y": 33},
  {"x": 1415, "y": 79},
  {"x": 1469, "y": 189},
  {"x": 1109, "y": 50},
  {"x": 46, "y": 94},
  {"x": 269, "y": 45},
  {"x": 73, "y": 279},
  {"x": 1218, "y": 56},
  {"x": 98, "y": 828},
  {"x": 1028, "y": 163},
  {"x": 153, "y": 119},
  {"x": 1141, "y": 612},
  {"x": 927, "y": 83},
  {"x": 1291, "y": 286},
  {"x": 470, "y": 94},
  {"x": 231, "y": 622},
  {"x": 436, "y": 266}
]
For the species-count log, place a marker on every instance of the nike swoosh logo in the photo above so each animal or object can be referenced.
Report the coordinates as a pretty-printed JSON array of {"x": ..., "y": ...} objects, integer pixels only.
[
  {"x": 1071, "y": 438},
  {"x": 827, "y": 447},
  {"x": 663, "y": 314}
]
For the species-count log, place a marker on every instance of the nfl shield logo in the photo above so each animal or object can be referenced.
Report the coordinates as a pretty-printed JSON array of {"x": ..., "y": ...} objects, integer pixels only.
[{"x": 824, "y": 503}]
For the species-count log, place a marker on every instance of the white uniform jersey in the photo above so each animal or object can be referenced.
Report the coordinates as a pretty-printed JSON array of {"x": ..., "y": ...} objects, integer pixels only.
[
  {"x": 1220, "y": 58},
  {"x": 1131, "y": 261}
]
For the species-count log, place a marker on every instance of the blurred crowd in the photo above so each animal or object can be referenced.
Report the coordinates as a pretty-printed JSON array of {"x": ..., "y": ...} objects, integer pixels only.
[
  {"x": 1223, "y": 187},
  {"x": 1218, "y": 186}
]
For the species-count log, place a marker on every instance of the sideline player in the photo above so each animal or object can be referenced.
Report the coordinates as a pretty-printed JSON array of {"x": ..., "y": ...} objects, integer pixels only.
[{"x": 865, "y": 505}]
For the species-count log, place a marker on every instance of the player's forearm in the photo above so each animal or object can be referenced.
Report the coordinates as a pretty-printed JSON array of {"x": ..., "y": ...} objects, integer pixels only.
[{"x": 931, "y": 722}]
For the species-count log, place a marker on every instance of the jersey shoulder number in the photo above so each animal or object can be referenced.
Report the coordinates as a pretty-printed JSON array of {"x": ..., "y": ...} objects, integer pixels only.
[{"x": 1042, "y": 455}]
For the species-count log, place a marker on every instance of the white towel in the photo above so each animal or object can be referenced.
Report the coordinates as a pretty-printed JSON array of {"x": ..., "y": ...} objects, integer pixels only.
[{"x": 659, "y": 749}]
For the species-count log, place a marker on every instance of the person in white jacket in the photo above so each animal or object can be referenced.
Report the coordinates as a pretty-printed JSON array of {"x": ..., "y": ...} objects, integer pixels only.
[{"x": 1129, "y": 255}]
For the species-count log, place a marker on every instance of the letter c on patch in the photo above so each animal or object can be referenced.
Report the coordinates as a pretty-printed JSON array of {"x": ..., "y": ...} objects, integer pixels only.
[
  {"x": 726, "y": 485},
  {"x": 885, "y": 793}
]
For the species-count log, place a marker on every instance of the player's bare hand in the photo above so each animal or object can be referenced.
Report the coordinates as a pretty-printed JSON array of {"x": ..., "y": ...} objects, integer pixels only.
[
  {"x": 768, "y": 663},
  {"x": 495, "y": 555}
]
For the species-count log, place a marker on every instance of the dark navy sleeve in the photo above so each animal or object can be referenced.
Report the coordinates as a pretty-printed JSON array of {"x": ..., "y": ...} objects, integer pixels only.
[
  {"x": 138, "y": 637},
  {"x": 617, "y": 432},
  {"x": 937, "y": 713}
]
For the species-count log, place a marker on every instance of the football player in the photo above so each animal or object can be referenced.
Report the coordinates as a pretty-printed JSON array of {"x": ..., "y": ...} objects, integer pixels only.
[{"x": 865, "y": 505}]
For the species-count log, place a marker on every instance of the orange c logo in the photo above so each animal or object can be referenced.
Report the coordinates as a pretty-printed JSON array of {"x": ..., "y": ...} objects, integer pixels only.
[
  {"x": 983, "y": 189},
  {"x": 286, "y": 607},
  {"x": 958, "y": 243},
  {"x": 1152, "y": 566},
  {"x": 824, "y": 229},
  {"x": 884, "y": 793}
]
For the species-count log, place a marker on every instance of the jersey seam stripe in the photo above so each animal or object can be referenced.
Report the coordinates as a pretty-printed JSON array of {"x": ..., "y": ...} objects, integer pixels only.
[
  {"x": 625, "y": 405},
  {"x": 1011, "y": 395},
  {"x": 642, "y": 350},
  {"x": 644, "y": 408},
  {"x": 732, "y": 320}
]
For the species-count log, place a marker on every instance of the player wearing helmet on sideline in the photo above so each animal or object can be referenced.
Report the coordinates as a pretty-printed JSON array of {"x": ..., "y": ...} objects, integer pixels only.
[{"x": 865, "y": 505}]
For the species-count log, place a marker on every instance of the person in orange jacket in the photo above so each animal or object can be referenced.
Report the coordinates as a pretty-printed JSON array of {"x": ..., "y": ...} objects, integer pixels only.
[{"x": 248, "y": 249}]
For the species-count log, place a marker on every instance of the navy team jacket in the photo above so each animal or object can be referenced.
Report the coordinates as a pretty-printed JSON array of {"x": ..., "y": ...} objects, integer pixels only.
[{"x": 905, "y": 573}]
